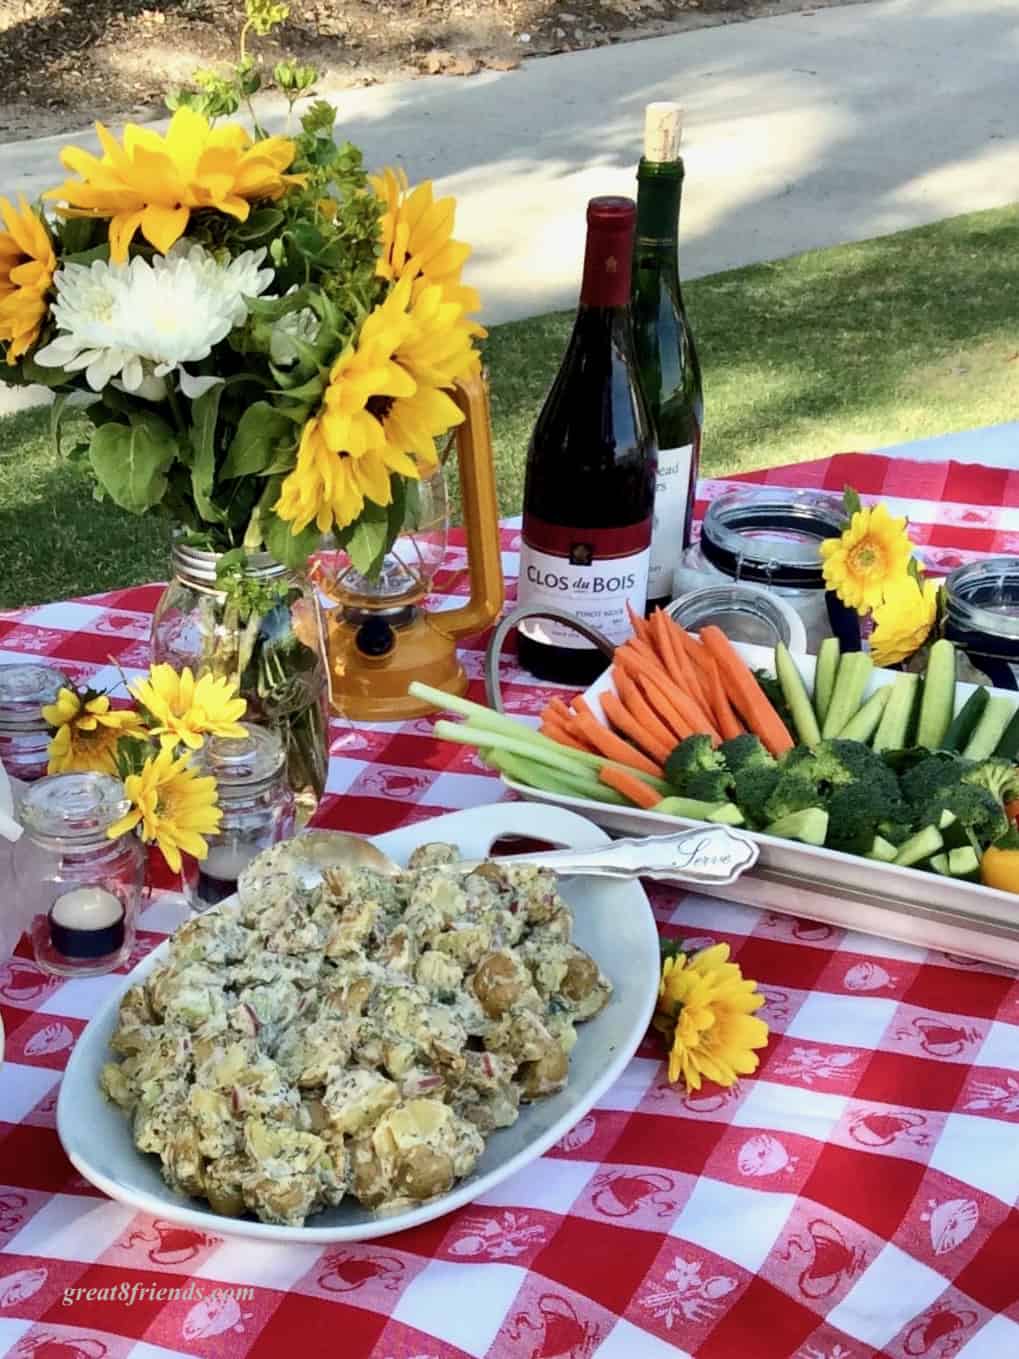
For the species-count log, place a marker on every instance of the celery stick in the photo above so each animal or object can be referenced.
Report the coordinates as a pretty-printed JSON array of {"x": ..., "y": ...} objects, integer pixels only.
[
  {"x": 487, "y": 719},
  {"x": 559, "y": 757},
  {"x": 541, "y": 776}
]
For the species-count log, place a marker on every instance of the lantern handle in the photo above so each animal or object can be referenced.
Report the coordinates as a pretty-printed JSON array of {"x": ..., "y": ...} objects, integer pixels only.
[
  {"x": 480, "y": 513},
  {"x": 493, "y": 686}
]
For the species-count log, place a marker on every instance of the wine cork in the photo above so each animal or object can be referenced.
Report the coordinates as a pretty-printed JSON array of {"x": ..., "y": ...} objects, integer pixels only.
[{"x": 663, "y": 127}]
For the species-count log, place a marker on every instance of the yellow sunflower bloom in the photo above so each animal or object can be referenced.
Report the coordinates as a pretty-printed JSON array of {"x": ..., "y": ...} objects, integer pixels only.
[
  {"x": 154, "y": 183},
  {"x": 871, "y": 555},
  {"x": 417, "y": 243},
  {"x": 187, "y": 710},
  {"x": 384, "y": 403},
  {"x": 903, "y": 621},
  {"x": 706, "y": 1010},
  {"x": 87, "y": 732},
  {"x": 27, "y": 265},
  {"x": 173, "y": 807}
]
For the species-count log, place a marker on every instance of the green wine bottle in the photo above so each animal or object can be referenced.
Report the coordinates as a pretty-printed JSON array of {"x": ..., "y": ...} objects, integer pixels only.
[{"x": 666, "y": 354}]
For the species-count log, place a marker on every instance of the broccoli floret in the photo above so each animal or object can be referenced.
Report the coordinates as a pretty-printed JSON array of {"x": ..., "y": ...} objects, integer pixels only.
[
  {"x": 752, "y": 787},
  {"x": 1000, "y": 778},
  {"x": 856, "y": 810},
  {"x": 709, "y": 785},
  {"x": 792, "y": 793},
  {"x": 692, "y": 756},
  {"x": 924, "y": 783},
  {"x": 895, "y": 831},
  {"x": 979, "y": 816},
  {"x": 745, "y": 752}
]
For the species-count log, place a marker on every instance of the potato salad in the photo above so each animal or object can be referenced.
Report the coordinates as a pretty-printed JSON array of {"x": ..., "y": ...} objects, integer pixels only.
[{"x": 360, "y": 1037}]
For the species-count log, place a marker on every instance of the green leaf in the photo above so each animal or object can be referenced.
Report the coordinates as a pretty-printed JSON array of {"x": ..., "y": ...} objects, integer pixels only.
[
  {"x": 367, "y": 543},
  {"x": 851, "y": 500},
  {"x": 261, "y": 223},
  {"x": 86, "y": 257},
  {"x": 131, "y": 461},
  {"x": 292, "y": 549},
  {"x": 76, "y": 235},
  {"x": 253, "y": 448},
  {"x": 204, "y": 416}
]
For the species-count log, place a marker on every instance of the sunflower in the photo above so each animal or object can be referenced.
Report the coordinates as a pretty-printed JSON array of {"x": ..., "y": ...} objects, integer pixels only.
[
  {"x": 187, "y": 710},
  {"x": 903, "y": 621},
  {"x": 27, "y": 265},
  {"x": 871, "y": 555},
  {"x": 155, "y": 183},
  {"x": 87, "y": 732},
  {"x": 384, "y": 403},
  {"x": 173, "y": 806},
  {"x": 417, "y": 242},
  {"x": 706, "y": 1010}
]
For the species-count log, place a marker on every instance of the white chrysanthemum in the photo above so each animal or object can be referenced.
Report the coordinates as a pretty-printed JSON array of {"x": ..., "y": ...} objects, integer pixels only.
[{"x": 140, "y": 322}]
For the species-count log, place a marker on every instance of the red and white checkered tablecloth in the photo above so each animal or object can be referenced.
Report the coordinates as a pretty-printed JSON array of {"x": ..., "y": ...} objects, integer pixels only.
[{"x": 857, "y": 1198}]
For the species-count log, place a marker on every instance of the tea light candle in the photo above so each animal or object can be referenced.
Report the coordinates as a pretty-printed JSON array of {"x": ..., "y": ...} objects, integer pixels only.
[
  {"x": 87, "y": 922},
  {"x": 227, "y": 862}
]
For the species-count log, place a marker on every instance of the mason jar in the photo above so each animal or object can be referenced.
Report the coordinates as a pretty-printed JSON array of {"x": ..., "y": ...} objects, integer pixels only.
[
  {"x": 257, "y": 804},
  {"x": 24, "y": 735},
  {"x": 266, "y": 636},
  {"x": 982, "y": 619},
  {"x": 770, "y": 537},
  {"x": 80, "y": 889}
]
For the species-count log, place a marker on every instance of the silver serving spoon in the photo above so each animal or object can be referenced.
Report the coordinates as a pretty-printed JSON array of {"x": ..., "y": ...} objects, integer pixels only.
[{"x": 712, "y": 855}]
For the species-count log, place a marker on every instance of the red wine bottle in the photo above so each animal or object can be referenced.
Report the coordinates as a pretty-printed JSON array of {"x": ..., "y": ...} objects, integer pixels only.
[
  {"x": 669, "y": 371},
  {"x": 590, "y": 483}
]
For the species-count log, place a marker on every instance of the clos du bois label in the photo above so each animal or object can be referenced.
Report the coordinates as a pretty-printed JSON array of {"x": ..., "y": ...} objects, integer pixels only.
[
  {"x": 672, "y": 494},
  {"x": 592, "y": 573}
]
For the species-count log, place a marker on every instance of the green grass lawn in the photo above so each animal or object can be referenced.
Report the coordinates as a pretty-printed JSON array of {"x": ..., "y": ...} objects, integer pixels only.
[{"x": 898, "y": 338}]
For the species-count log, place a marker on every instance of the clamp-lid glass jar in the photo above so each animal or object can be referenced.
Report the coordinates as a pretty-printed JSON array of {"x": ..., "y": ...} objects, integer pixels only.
[
  {"x": 771, "y": 537},
  {"x": 24, "y": 735},
  {"x": 81, "y": 888},
  {"x": 257, "y": 803},
  {"x": 982, "y": 619}
]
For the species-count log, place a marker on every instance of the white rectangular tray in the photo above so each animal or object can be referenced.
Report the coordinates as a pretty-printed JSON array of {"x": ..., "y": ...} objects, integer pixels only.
[{"x": 839, "y": 889}]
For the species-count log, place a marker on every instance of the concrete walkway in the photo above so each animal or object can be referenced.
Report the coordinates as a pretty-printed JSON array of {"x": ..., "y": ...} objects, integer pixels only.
[{"x": 801, "y": 131}]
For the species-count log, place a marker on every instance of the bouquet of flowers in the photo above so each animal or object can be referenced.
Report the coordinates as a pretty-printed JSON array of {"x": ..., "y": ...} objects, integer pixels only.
[
  {"x": 149, "y": 746},
  {"x": 263, "y": 335},
  {"x": 873, "y": 570},
  {"x": 256, "y": 339}
]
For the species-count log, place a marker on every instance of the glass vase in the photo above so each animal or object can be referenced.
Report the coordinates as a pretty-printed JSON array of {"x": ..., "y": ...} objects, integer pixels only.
[{"x": 264, "y": 632}]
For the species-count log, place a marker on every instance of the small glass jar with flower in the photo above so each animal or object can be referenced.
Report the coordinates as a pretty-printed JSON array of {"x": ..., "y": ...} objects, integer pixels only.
[{"x": 128, "y": 773}]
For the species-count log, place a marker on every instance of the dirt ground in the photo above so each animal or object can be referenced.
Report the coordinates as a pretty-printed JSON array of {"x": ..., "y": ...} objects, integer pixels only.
[{"x": 64, "y": 63}]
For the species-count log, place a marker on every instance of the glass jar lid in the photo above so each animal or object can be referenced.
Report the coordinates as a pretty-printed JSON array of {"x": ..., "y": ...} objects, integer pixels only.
[
  {"x": 241, "y": 765},
  {"x": 745, "y": 613},
  {"x": 194, "y": 566},
  {"x": 771, "y": 535},
  {"x": 23, "y": 691},
  {"x": 982, "y": 601},
  {"x": 73, "y": 806}
]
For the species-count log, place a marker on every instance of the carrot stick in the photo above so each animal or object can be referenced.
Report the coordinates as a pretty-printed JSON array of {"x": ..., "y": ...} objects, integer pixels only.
[
  {"x": 633, "y": 663},
  {"x": 745, "y": 693},
  {"x": 561, "y": 736},
  {"x": 607, "y": 743},
  {"x": 684, "y": 667},
  {"x": 729, "y": 724},
  {"x": 640, "y": 627},
  {"x": 636, "y": 705},
  {"x": 694, "y": 714},
  {"x": 632, "y": 729},
  {"x": 677, "y": 710},
  {"x": 630, "y": 787},
  {"x": 557, "y": 706},
  {"x": 660, "y": 629}
]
